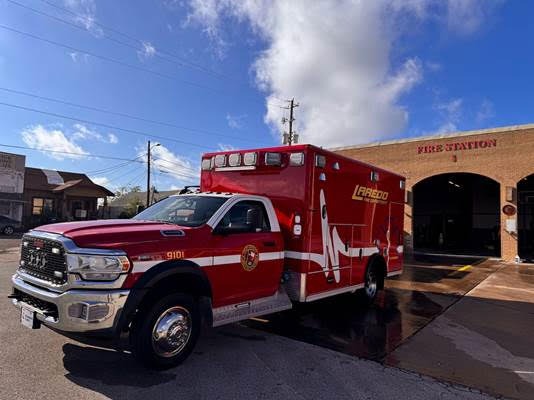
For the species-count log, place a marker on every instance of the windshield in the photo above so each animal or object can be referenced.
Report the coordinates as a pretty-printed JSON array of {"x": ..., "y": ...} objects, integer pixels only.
[{"x": 183, "y": 210}]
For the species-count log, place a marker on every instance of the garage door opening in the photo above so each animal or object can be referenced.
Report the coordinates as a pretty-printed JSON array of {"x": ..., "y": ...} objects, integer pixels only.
[
  {"x": 525, "y": 218},
  {"x": 457, "y": 213}
]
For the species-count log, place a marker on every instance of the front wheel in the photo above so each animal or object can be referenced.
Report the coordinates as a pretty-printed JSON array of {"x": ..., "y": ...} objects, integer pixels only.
[
  {"x": 165, "y": 333},
  {"x": 8, "y": 230}
]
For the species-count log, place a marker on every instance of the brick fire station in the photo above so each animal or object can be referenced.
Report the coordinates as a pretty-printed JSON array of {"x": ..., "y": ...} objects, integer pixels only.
[{"x": 467, "y": 193}]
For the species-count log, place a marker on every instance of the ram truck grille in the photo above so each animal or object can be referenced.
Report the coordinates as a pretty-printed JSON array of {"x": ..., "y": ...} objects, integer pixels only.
[{"x": 43, "y": 259}]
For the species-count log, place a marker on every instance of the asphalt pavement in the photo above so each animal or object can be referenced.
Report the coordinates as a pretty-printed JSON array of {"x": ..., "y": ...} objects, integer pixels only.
[{"x": 229, "y": 363}]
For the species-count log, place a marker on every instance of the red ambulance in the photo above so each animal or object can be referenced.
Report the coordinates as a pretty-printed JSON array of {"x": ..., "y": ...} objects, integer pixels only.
[{"x": 267, "y": 228}]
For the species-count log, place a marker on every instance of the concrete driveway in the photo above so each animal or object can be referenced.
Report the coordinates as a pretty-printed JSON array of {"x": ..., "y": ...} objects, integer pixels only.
[
  {"x": 229, "y": 363},
  {"x": 484, "y": 340}
]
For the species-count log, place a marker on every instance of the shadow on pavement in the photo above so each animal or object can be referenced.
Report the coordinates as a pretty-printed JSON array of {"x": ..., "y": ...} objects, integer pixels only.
[{"x": 86, "y": 364}]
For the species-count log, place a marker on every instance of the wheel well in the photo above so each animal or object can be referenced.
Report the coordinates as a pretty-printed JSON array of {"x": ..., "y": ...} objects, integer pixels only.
[
  {"x": 377, "y": 261},
  {"x": 181, "y": 276},
  {"x": 188, "y": 283}
]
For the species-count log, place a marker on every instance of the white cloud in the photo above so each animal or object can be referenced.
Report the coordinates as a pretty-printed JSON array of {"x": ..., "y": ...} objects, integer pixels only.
[
  {"x": 235, "y": 121},
  {"x": 77, "y": 57},
  {"x": 225, "y": 147},
  {"x": 172, "y": 164},
  {"x": 465, "y": 17},
  {"x": 112, "y": 138},
  {"x": 102, "y": 181},
  {"x": 433, "y": 66},
  {"x": 85, "y": 11},
  {"x": 334, "y": 58},
  {"x": 82, "y": 132},
  {"x": 41, "y": 138},
  {"x": 450, "y": 113},
  {"x": 486, "y": 111},
  {"x": 147, "y": 51}
]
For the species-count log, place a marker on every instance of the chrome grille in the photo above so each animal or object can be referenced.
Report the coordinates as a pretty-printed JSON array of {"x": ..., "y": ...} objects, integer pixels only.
[{"x": 44, "y": 259}]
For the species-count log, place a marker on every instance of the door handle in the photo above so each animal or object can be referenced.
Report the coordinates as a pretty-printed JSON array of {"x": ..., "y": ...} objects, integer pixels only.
[{"x": 269, "y": 244}]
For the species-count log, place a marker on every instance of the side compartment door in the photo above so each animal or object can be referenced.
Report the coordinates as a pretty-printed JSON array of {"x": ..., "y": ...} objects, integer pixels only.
[{"x": 247, "y": 256}]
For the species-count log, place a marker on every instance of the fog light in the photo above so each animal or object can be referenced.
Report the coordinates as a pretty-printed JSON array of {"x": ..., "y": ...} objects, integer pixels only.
[
  {"x": 98, "y": 312},
  {"x": 89, "y": 312},
  {"x": 77, "y": 310}
]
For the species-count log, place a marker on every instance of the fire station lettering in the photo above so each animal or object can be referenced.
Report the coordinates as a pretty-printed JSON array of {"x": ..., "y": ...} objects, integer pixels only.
[
  {"x": 457, "y": 146},
  {"x": 369, "y": 194}
]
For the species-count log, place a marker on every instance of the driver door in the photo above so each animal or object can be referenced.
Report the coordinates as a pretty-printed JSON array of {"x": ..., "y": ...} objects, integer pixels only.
[{"x": 247, "y": 257}]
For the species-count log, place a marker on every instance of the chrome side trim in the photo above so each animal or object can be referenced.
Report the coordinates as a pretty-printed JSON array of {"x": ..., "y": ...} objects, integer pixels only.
[
  {"x": 395, "y": 273},
  {"x": 242, "y": 168},
  {"x": 279, "y": 301},
  {"x": 334, "y": 292}
]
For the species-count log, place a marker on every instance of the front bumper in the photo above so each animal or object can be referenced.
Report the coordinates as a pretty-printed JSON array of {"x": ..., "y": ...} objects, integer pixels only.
[{"x": 79, "y": 311}]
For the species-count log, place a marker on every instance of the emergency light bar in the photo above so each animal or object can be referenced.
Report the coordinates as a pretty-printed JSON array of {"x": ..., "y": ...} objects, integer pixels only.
[
  {"x": 250, "y": 158},
  {"x": 234, "y": 160},
  {"x": 220, "y": 160},
  {"x": 273, "y": 159},
  {"x": 206, "y": 164}
]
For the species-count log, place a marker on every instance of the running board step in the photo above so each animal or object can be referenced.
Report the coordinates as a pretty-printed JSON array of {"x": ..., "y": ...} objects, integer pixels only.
[{"x": 253, "y": 308}]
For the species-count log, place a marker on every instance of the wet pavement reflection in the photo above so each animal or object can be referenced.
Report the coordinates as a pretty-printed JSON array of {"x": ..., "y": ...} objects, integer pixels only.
[{"x": 409, "y": 302}]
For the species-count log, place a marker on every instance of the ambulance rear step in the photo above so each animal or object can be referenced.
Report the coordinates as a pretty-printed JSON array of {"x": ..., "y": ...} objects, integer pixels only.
[{"x": 253, "y": 308}]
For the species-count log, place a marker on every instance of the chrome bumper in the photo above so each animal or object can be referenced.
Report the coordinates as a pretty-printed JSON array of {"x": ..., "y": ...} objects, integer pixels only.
[{"x": 77, "y": 310}]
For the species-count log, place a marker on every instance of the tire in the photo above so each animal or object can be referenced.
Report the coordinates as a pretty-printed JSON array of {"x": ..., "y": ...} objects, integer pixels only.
[
  {"x": 8, "y": 230},
  {"x": 371, "y": 284},
  {"x": 177, "y": 319}
]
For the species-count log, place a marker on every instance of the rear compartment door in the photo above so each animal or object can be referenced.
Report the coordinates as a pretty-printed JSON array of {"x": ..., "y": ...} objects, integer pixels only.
[
  {"x": 395, "y": 237},
  {"x": 331, "y": 229}
]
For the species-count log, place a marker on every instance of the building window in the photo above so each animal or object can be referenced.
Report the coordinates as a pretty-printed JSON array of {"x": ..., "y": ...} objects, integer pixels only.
[{"x": 42, "y": 206}]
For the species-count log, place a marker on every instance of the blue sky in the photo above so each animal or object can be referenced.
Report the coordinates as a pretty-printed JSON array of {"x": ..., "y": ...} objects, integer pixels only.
[{"x": 213, "y": 75}]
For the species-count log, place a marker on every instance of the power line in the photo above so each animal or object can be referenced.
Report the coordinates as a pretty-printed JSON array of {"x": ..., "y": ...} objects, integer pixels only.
[
  {"x": 109, "y": 59},
  {"x": 168, "y": 170},
  {"x": 107, "y": 37},
  {"x": 130, "y": 37},
  {"x": 113, "y": 168},
  {"x": 86, "y": 121},
  {"x": 119, "y": 114},
  {"x": 67, "y": 152},
  {"x": 175, "y": 163}
]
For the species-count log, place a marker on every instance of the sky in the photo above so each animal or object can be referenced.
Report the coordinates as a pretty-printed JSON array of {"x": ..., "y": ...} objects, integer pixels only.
[{"x": 84, "y": 84}]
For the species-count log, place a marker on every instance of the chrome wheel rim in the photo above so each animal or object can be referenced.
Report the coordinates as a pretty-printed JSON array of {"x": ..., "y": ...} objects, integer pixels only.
[
  {"x": 8, "y": 230},
  {"x": 371, "y": 285},
  {"x": 171, "y": 331}
]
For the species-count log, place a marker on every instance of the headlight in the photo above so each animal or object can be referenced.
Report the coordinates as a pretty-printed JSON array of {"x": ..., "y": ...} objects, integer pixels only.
[{"x": 97, "y": 268}]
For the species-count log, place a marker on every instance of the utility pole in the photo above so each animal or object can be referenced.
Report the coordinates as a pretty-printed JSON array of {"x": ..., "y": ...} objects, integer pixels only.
[
  {"x": 290, "y": 137},
  {"x": 148, "y": 177}
]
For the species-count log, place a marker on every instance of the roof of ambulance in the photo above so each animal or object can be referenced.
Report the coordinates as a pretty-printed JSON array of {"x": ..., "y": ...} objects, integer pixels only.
[{"x": 303, "y": 147}]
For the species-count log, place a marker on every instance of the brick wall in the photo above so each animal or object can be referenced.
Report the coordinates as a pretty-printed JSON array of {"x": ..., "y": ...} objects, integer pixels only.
[{"x": 504, "y": 155}]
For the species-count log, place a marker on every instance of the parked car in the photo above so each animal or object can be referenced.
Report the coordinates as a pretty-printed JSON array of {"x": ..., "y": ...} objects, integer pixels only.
[{"x": 8, "y": 225}]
